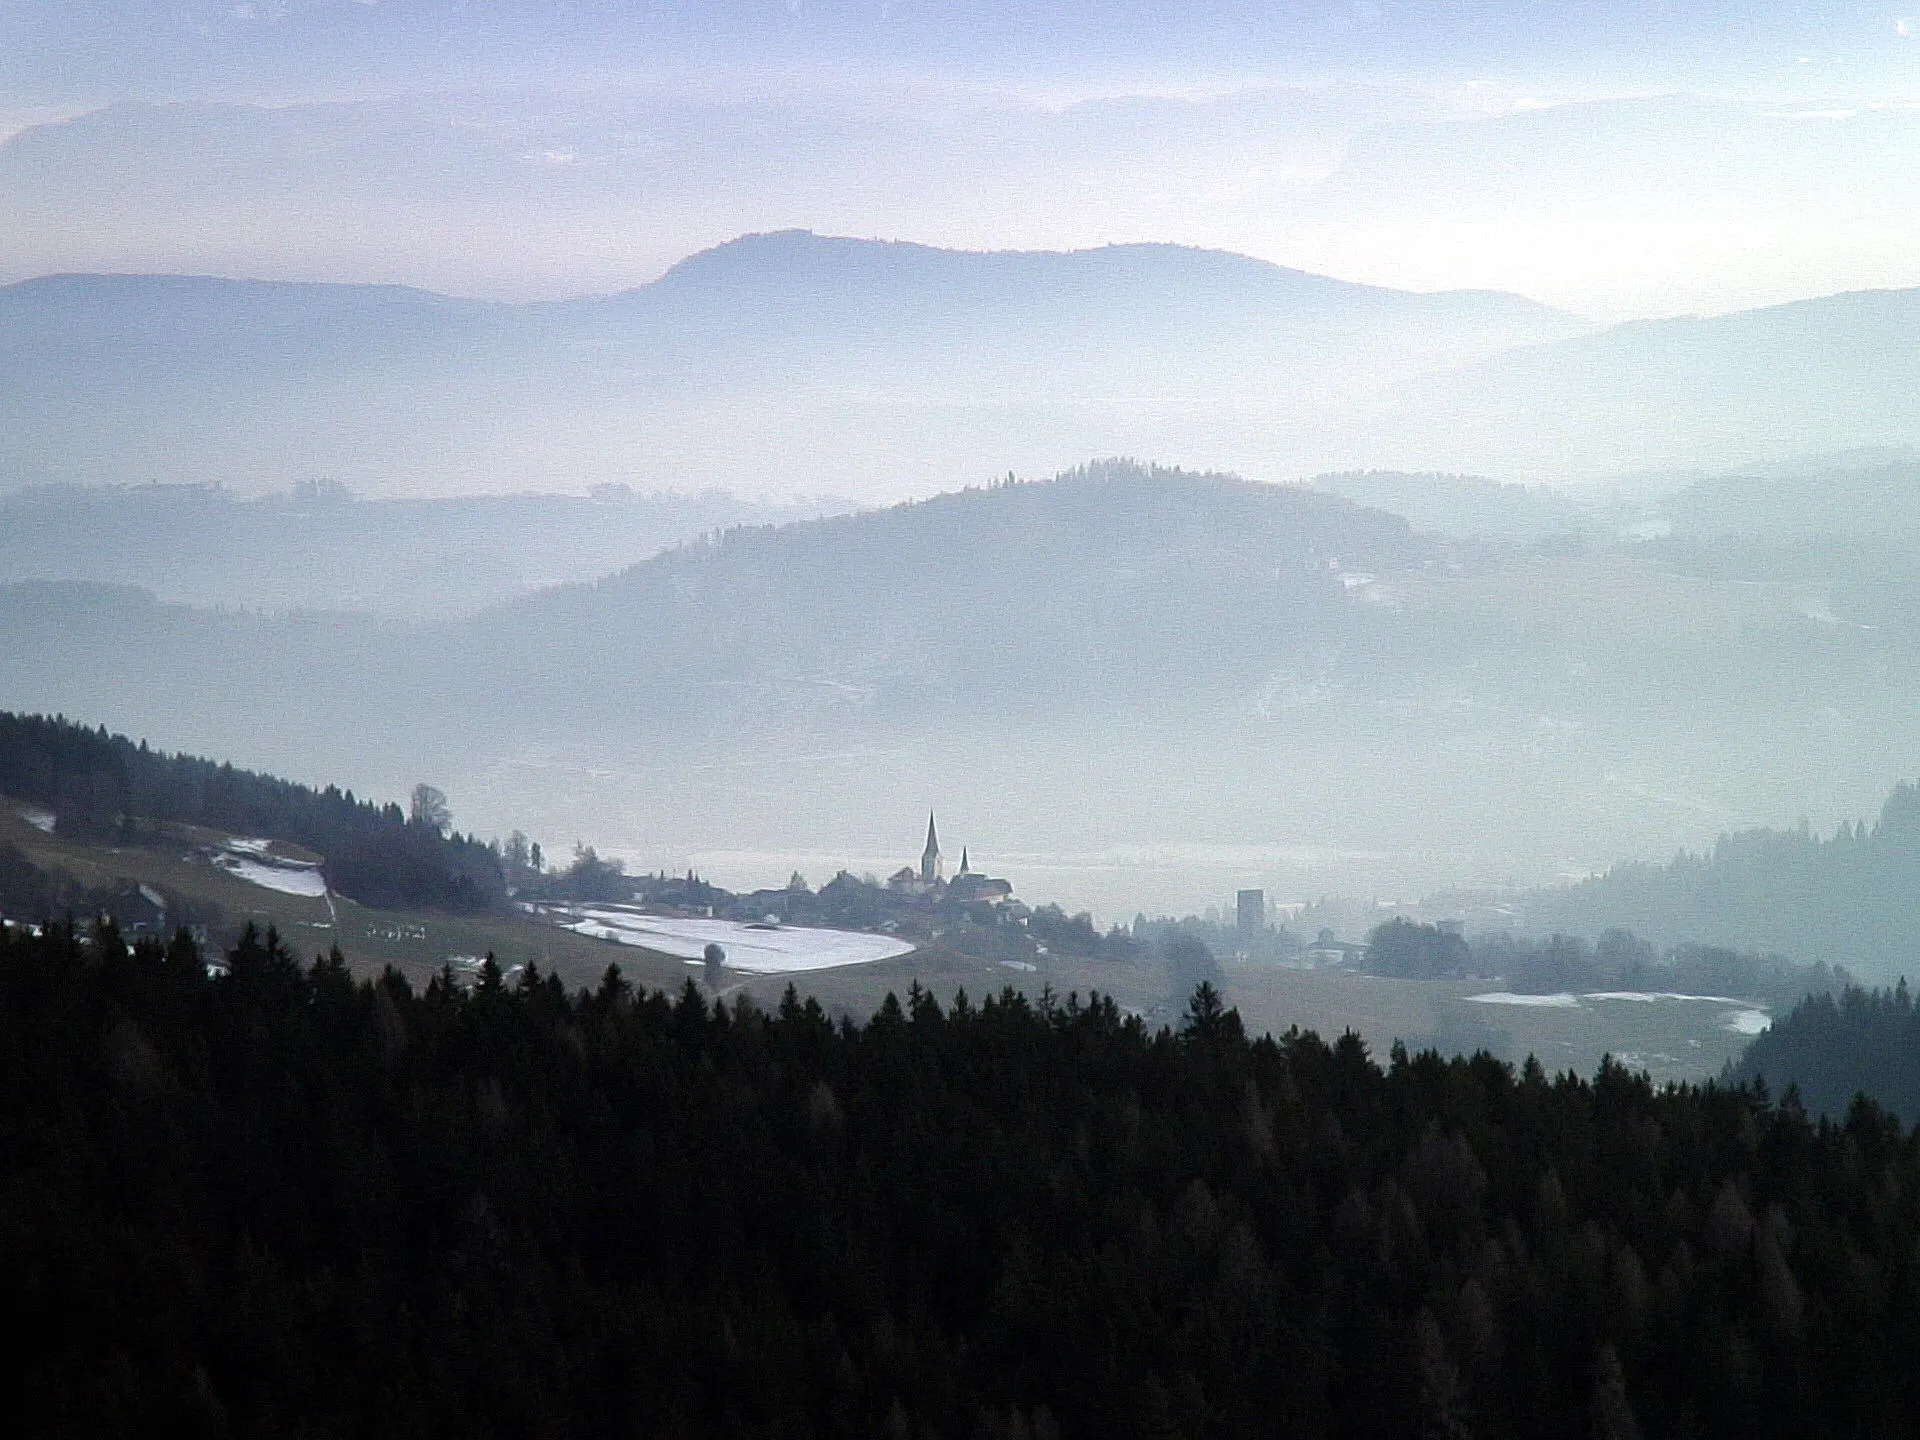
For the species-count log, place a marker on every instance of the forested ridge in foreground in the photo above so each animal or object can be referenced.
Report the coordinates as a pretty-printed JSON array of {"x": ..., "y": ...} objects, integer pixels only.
[{"x": 285, "y": 1202}]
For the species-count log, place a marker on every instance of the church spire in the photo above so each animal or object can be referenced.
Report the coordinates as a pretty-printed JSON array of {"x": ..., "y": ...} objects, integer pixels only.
[
  {"x": 965, "y": 869},
  {"x": 930, "y": 857}
]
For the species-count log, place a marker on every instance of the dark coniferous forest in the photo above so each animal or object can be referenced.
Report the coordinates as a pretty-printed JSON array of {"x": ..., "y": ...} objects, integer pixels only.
[
  {"x": 282, "y": 1201},
  {"x": 1832, "y": 1048}
]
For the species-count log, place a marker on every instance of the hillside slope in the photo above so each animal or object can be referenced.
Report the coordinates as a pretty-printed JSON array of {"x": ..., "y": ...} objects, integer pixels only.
[
  {"x": 1757, "y": 385},
  {"x": 1848, "y": 898},
  {"x": 319, "y": 548}
]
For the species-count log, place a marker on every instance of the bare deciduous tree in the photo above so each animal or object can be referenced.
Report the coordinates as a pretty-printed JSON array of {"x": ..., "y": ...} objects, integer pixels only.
[{"x": 430, "y": 808}]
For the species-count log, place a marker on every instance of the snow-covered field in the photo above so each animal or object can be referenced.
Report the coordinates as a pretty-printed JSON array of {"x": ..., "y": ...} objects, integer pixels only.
[
  {"x": 1742, "y": 1018},
  {"x": 787, "y": 950}
]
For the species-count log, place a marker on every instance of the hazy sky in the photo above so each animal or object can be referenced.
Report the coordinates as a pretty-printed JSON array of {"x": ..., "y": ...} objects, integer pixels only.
[{"x": 1619, "y": 159}]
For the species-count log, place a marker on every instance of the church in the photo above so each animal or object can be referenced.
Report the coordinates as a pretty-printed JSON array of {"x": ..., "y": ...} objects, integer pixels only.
[{"x": 966, "y": 888}]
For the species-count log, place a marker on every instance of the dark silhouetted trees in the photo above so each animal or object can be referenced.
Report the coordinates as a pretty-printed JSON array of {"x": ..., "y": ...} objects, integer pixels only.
[{"x": 287, "y": 1201}]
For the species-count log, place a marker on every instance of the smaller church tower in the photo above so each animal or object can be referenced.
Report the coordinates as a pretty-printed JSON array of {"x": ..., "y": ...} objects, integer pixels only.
[{"x": 930, "y": 857}]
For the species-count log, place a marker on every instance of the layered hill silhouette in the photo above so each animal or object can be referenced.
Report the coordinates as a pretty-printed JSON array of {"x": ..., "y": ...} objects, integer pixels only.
[
  {"x": 792, "y": 362},
  {"x": 1761, "y": 385},
  {"x": 1113, "y": 584},
  {"x": 773, "y": 363}
]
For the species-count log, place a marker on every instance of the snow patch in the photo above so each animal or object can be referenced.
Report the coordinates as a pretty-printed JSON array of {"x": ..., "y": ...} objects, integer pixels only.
[
  {"x": 41, "y": 820},
  {"x": 1545, "y": 1002},
  {"x": 750, "y": 951},
  {"x": 1651, "y": 995},
  {"x": 288, "y": 879},
  {"x": 1747, "y": 1022}
]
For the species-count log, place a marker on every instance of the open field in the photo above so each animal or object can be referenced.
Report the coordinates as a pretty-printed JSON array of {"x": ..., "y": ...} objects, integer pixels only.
[{"x": 750, "y": 949}]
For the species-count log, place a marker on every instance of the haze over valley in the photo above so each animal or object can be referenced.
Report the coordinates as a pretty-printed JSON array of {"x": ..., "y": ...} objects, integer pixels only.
[{"x": 1137, "y": 688}]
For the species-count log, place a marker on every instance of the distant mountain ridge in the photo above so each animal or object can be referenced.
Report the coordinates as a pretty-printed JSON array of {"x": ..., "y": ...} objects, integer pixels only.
[
  {"x": 788, "y": 352},
  {"x": 778, "y": 258},
  {"x": 790, "y": 361}
]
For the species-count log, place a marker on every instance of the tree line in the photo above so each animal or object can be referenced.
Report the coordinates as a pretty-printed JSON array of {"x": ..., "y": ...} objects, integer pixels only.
[
  {"x": 1619, "y": 960},
  {"x": 287, "y": 1201}
]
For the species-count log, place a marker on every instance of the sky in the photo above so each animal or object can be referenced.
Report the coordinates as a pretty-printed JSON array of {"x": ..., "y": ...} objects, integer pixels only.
[{"x": 1620, "y": 160}]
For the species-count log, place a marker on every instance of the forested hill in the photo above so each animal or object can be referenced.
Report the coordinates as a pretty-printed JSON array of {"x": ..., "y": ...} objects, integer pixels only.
[
  {"x": 1862, "y": 1042},
  {"x": 284, "y": 1202},
  {"x": 97, "y": 784},
  {"x": 1852, "y": 898},
  {"x": 1078, "y": 593}
]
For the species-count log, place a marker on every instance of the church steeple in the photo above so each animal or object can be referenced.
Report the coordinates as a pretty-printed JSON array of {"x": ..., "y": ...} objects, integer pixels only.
[
  {"x": 965, "y": 869},
  {"x": 930, "y": 857}
]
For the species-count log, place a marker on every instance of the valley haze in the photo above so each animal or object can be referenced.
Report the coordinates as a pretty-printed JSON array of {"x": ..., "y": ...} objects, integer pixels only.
[
  {"x": 1134, "y": 688},
  {"x": 1018, "y": 720}
]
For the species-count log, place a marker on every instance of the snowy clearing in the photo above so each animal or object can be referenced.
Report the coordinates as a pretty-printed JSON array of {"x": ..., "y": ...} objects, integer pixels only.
[
  {"x": 41, "y": 820},
  {"x": 752, "y": 951},
  {"x": 1743, "y": 1019},
  {"x": 287, "y": 879}
]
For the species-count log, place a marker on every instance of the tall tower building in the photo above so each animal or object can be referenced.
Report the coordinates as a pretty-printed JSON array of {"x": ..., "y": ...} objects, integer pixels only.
[
  {"x": 1250, "y": 910},
  {"x": 930, "y": 857}
]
